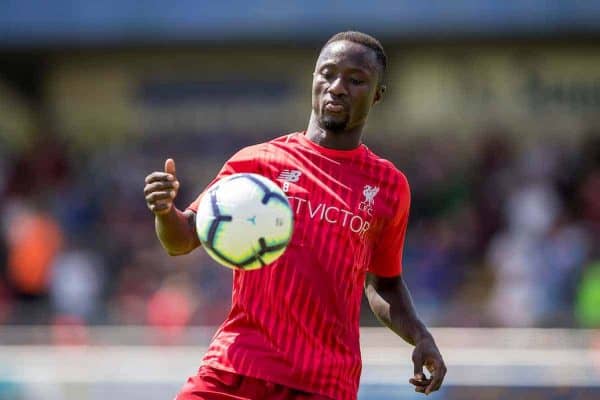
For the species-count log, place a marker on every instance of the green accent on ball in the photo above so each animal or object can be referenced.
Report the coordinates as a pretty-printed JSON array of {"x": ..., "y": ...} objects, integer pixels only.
[
  {"x": 217, "y": 258},
  {"x": 253, "y": 266},
  {"x": 273, "y": 255},
  {"x": 203, "y": 231}
]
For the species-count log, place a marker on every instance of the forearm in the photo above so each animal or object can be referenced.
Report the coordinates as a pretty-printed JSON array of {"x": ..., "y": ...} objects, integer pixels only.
[
  {"x": 176, "y": 231},
  {"x": 392, "y": 305}
]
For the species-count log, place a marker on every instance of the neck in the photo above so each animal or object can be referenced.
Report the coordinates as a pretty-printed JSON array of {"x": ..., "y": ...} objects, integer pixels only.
[{"x": 343, "y": 140}]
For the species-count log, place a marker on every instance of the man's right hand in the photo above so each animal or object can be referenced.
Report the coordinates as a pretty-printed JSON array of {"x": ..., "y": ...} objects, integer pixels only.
[{"x": 161, "y": 188}]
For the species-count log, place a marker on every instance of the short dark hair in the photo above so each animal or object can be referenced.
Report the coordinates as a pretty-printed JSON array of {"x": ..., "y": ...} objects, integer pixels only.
[{"x": 366, "y": 40}]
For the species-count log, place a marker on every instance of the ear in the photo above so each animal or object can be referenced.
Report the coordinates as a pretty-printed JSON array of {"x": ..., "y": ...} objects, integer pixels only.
[{"x": 379, "y": 94}]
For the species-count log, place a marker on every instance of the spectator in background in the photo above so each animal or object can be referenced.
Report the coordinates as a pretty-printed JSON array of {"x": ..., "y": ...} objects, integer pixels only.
[
  {"x": 5, "y": 301},
  {"x": 515, "y": 253},
  {"x": 34, "y": 238},
  {"x": 171, "y": 307},
  {"x": 76, "y": 284},
  {"x": 587, "y": 305},
  {"x": 43, "y": 167},
  {"x": 589, "y": 194},
  {"x": 564, "y": 250},
  {"x": 491, "y": 183}
]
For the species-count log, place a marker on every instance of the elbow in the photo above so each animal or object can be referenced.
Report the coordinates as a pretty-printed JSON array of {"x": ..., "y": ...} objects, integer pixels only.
[
  {"x": 379, "y": 307},
  {"x": 178, "y": 251},
  {"x": 180, "y": 246}
]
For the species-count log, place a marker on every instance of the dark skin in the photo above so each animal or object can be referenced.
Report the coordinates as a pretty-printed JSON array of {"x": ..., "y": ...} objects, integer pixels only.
[
  {"x": 391, "y": 303},
  {"x": 345, "y": 87},
  {"x": 348, "y": 77},
  {"x": 174, "y": 228},
  {"x": 346, "y": 84}
]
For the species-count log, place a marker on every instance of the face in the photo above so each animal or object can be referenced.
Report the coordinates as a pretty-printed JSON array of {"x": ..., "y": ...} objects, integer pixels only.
[{"x": 345, "y": 85}]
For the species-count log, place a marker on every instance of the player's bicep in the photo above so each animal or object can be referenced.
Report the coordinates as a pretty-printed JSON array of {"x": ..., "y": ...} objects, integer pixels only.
[
  {"x": 386, "y": 259},
  {"x": 381, "y": 292}
]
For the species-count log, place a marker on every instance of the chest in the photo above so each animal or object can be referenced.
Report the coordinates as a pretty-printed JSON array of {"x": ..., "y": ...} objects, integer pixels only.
[{"x": 352, "y": 199}]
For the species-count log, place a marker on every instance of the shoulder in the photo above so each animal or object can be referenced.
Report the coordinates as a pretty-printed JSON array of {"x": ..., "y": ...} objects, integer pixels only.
[
  {"x": 276, "y": 148},
  {"x": 261, "y": 153},
  {"x": 286, "y": 141},
  {"x": 397, "y": 186},
  {"x": 393, "y": 175},
  {"x": 251, "y": 152},
  {"x": 268, "y": 146}
]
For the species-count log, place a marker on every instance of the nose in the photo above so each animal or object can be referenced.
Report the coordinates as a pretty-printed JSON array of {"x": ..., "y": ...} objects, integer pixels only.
[{"x": 337, "y": 87}]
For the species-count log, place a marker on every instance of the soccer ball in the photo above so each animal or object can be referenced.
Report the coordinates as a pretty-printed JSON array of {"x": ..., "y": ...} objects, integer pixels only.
[{"x": 244, "y": 221}]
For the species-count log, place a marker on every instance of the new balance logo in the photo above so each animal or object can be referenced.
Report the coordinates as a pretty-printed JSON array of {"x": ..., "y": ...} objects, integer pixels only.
[
  {"x": 290, "y": 175},
  {"x": 287, "y": 176}
]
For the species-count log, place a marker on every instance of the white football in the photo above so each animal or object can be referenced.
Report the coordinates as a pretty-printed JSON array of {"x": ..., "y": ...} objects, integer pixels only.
[{"x": 244, "y": 221}]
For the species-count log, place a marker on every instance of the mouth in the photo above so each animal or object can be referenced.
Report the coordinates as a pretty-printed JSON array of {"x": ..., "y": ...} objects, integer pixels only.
[{"x": 334, "y": 107}]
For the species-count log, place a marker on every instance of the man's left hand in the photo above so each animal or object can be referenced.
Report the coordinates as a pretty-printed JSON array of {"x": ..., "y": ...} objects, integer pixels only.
[{"x": 426, "y": 354}]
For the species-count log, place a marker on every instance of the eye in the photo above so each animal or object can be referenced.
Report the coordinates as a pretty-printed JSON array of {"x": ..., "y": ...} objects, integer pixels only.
[{"x": 327, "y": 74}]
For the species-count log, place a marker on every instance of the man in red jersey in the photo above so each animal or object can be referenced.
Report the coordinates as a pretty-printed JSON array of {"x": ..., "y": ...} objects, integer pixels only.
[{"x": 293, "y": 328}]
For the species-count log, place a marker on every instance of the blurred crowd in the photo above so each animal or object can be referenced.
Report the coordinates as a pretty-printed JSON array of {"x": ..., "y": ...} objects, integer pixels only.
[
  {"x": 504, "y": 229},
  {"x": 503, "y": 232}
]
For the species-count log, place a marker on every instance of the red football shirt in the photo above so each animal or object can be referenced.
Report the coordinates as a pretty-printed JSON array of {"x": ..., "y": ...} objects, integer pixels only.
[{"x": 296, "y": 322}]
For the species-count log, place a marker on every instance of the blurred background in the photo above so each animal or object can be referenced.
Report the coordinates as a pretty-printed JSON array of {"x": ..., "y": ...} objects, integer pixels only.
[{"x": 492, "y": 112}]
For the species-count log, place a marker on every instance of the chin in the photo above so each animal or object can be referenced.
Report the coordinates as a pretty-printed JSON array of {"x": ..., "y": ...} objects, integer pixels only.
[{"x": 333, "y": 125}]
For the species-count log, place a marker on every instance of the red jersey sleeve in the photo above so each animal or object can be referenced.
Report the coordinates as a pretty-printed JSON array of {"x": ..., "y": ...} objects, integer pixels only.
[
  {"x": 387, "y": 255},
  {"x": 242, "y": 161}
]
